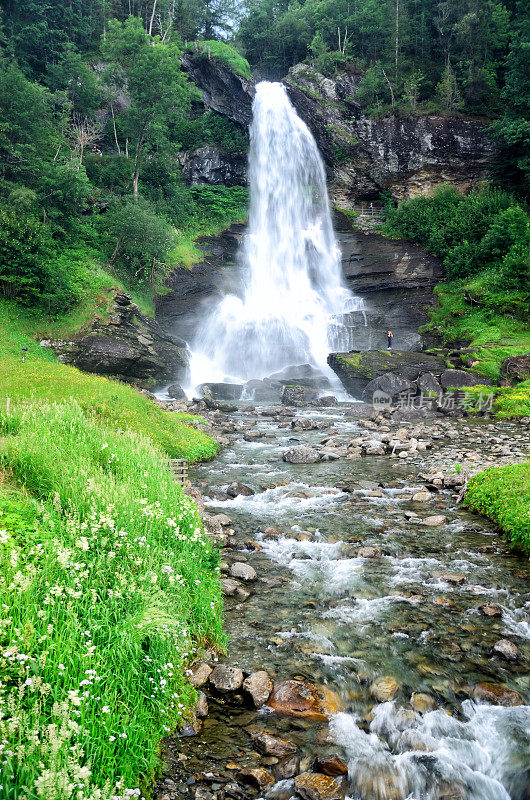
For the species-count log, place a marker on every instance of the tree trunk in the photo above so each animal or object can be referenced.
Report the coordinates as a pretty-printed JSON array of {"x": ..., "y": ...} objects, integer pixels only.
[
  {"x": 114, "y": 128},
  {"x": 137, "y": 161},
  {"x": 114, "y": 256},
  {"x": 150, "y": 31}
]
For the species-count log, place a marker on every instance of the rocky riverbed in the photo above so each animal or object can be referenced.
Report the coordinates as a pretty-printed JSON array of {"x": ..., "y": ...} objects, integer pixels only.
[{"x": 379, "y": 632}]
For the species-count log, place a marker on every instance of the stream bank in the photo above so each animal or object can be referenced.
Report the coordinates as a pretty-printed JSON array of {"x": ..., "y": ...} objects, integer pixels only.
[{"x": 361, "y": 574}]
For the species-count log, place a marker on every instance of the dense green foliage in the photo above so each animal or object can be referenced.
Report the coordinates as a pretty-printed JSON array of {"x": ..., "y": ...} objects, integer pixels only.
[
  {"x": 484, "y": 241},
  {"x": 487, "y": 229},
  {"x": 108, "y": 586},
  {"x": 93, "y": 115},
  {"x": 503, "y": 494}
]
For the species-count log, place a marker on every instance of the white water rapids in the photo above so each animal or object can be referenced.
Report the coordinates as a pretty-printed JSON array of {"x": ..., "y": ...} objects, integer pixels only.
[{"x": 289, "y": 310}]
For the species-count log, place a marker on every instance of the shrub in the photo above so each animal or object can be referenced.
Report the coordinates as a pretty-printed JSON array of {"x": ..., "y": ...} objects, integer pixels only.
[
  {"x": 503, "y": 495},
  {"x": 30, "y": 270}
]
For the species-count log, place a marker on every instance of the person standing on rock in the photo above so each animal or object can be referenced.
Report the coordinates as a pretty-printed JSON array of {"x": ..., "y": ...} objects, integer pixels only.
[{"x": 389, "y": 336}]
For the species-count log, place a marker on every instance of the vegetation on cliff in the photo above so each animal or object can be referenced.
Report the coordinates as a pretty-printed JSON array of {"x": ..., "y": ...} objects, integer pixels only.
[
  {"x": 484, "y": 241},
  {"x": 455, "y": 56},
  {"x": 108, "y": 585},
  {"x": 94, "y": 114}
]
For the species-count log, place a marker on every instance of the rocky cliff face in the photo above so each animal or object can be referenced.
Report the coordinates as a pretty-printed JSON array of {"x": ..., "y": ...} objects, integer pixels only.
[
  {"x": 212, "y": 165},
  {"x": 407, "y": 156},
  {"x": 127, "y": 345},
  {"x": 364, "y": 155}
]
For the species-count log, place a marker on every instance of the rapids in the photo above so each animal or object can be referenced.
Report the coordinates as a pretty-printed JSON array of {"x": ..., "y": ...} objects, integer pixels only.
[{"x": 327, "y": 615}]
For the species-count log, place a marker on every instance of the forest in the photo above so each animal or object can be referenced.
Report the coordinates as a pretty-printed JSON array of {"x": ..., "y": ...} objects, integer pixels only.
[{"x": 96, "y": 107}]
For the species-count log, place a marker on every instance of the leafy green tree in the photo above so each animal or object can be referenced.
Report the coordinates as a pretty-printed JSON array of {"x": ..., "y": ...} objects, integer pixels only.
[
  {"x": 157, "y": 87},
  {"x": 140, "y": 240},
  {"x": 447, "y": 90}
]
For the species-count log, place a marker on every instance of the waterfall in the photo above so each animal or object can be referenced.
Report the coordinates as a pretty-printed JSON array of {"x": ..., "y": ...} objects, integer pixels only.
[{"x": 290, "y": 308}]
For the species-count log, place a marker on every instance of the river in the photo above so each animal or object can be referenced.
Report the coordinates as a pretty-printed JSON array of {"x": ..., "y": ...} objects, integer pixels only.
[{"x": 407, "y": 609}]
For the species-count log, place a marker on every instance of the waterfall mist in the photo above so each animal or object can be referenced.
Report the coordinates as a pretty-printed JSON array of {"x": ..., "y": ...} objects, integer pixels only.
[{"x": 291, "y": 304}]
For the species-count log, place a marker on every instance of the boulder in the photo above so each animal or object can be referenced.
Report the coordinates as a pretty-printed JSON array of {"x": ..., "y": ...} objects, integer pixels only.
[
  {"x": 497, "y": 694},
  {"x": 491, "y": 610},
  {"x": 428, "y": 384},
  {"x": 506, "y": 649},
  {"x": 327, "y": 400},
  {"x": 127, "y": 345},
  {"x": 451, "y": 577},
  {"x": 259, "y": 686},
  {"x": 243, "y": 571},
  {"x": 330, "y": 765},
  {"x": 380, "y": 781},
  {"x": 457, "y": 378},
  {"x": 436, "y": 519},
  {"x": 262, "y": 391},
  {"x": 236, "y": 489},
  {"x": 422, "y": 703},
  {"x": 175, "y": 391},
  {"x": 359, "y": 368},
  {"x": 257, "y": 777},
  {"x": 226, "y": 679},
  {"x": 368, "y": 552},
  {"x": 389, "y": 384},
  {"x": 199, "y": 673},
  {"x": 298, "y": 395},
  {"x": 272, "y": 745},
  {"x": 201, "y": 707},
  {"x": 316, "y": 786},
  {"x": 516, "y": 368},
  {"x": 301, "y": 455},
  {"x": 229, "y": 587},
  {"x": 287, "y": 768},
  {"x": 305, "y": 700},
  {"x": 421, "y": 497},
  {"x": 384, "y": 689}
]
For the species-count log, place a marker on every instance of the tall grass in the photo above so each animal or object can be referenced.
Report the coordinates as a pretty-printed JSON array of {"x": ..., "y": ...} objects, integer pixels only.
[
  {"x": 107, "y": 401},
  {"x": 108, "y": 584}
]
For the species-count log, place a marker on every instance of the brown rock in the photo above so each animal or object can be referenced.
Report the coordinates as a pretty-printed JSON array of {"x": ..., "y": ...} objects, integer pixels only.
[
  {"x": 287, "y": 768},
  {"x": 200, "y": 673},
  {"x": 421, "y": 497},
  {"x": 451, "y": 577},
  {"x": 272, "y": 745},
  {"x": 381, "y": 782},
  {"x": 506, "y": 649},
  {"x": 226, "y": 679},
  {"x": 201, "y": 707},
  {"x": 368, "y": 552},
  {"x": 384, "y": 689},
  {"x": 490, "y": 610},
  {"x": 258, "y": 777},
  {"x": 497, "y": 694},
  {"x": 315, "y": 786},
  {"x": 299, "y": 699},
  {"x": 422, "y": 702},
  {"x": 331, "y": 765},
  {"x": 259, "y": 686}
]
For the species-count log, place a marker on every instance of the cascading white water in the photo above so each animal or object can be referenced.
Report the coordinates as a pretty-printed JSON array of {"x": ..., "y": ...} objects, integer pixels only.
[{"x": 290, "y": 308}]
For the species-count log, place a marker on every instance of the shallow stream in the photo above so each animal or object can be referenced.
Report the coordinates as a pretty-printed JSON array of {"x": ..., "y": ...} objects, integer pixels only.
[{"x": 322, "y": 613}]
